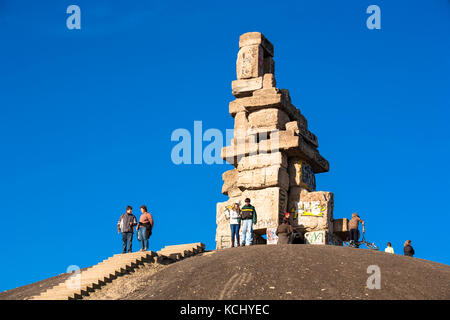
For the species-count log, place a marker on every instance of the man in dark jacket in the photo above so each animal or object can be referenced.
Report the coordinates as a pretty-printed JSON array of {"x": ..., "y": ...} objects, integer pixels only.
[
  {"x": 248, "y": 218},
  {"x": 126, "y": 225},
  {"x": 408, "y": 249}
]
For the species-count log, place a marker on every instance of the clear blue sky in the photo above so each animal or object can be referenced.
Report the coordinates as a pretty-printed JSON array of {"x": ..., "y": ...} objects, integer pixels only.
[{"x": 87, "y": 116}]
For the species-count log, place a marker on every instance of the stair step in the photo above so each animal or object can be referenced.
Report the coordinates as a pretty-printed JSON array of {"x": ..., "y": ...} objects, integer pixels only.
[{"x": 98, "y": 275}]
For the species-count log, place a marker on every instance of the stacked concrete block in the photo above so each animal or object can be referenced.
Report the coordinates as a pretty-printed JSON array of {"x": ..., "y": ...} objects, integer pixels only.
[{"x": 275, "y": 156}]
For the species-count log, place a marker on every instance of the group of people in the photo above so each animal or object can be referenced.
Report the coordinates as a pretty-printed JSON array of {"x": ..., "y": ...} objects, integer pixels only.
[
  {"x": 407, "y": 249},
  {"x": 353, "y": 226},
  {"x": 128, "y": 222},
  {"x": 246, "y": 216}
]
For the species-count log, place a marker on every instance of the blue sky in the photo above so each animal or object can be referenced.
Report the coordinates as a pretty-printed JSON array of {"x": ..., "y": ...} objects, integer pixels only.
[{"x": 87, "y": 116}]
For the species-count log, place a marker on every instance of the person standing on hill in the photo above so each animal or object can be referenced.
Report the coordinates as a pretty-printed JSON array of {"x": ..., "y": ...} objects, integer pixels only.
[
  {"x": 249, "y": 218},
  {"x": 145, "y": 227},
  {"x": 408, "y": 249},
  {"x": 284, "y": 230},
  {"x": 126, "y": 224},
  {"x": 234, "y": 214},
  {"x": 353, "y": 225},
  {"x": 389, "y": 248}
]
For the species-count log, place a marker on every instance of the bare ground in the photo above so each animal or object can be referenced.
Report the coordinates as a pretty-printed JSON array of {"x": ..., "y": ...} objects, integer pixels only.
[
  {"x": 127, "y": 284},
  {"x": 275, "y": 272}
]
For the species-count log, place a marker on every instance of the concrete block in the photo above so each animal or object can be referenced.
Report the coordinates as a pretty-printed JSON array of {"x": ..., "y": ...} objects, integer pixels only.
[
  {"x": 244, "y": 87},
  {"x": 249, "y": 63}
]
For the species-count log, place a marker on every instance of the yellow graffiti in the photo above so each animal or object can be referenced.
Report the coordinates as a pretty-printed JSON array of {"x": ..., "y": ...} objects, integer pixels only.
[{"x": 310, "y": 210}]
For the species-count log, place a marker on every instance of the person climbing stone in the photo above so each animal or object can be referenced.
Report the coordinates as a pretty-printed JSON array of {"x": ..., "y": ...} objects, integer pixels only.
[
  {"x": 144, "y": 227},
  {"x": 353, "y": 225},
  {"x": 408, "y": 249},
  {"x": 284, "y": 231},
  {"x": 234, "y": 214},
  {"x": 248, "y": 215},
  {"x": 389, "y": 248},
  {"x": 126, "y": 224}
]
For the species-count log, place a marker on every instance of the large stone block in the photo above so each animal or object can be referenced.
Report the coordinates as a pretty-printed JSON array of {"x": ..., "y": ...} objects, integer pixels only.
[
  {"x": 273, "y": 176},
  {"x": 244, "y": 87},
  {"x": 223, "y": 225},
  {"x": 269, "y": 81},
  {"x": 286, "y": 141},
  {"x": 301, "y": 174},
  {"x": 340, "y": 228},
  {"x": 269, "y": 203},
  {"x": 313, "y": 210},
  {"x": 229, "y": 178},
  {"x": 262, "y": 160},
  {"x": 295, "y": 127},
  {"x": 322, "y": 238},
  {"x": 265, "y": 98},
  {"x": 256, "y": 38},
  {"x": 250, "y": 62},
  {"x": 268, "y": 119}
]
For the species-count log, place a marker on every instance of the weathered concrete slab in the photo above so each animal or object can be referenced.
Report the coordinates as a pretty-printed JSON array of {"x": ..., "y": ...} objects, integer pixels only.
[
  {"x": 268, "y": 119},
  {"x": 321, "y": 238},
  {"x": 250, "y": 61},
  {"x": 301, "y": 174},
  {"x": 263, "y": 160},
  {"x": 244, "y": 87},
  {"x": 270, "y": 205},
  {"x": 273, "y": 176},
  {"x": 229, "y": 178},
  {"x": 294, "y": 146},
  {"x": 256, "y": 38},
  {"x": 313, "y": 210}
]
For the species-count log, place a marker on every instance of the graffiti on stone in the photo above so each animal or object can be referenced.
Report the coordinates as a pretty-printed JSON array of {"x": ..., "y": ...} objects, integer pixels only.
[
  {"x": 315, "y": 237},
  {"x": 272, "y": 238},
  {"x": 308, "y": 177},
  {"x": 310, "y": 208}
]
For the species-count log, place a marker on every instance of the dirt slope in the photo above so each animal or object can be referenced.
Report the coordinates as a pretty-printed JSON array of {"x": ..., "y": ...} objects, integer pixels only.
[
  {"x": 296, "y": 272},
  {"x": 275, "y": 272},
  {"x": 26, "y": 292}
]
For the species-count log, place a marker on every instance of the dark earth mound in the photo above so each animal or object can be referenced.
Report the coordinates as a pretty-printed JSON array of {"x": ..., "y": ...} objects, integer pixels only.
[
  {"x": 297, "y": 272},
  {"x": 276, "y": 272},
  {"x": 34, "y": 289}
]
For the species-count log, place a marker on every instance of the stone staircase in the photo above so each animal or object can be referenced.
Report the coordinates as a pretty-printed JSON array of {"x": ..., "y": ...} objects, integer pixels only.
[
  {"x": 182, "y": 250},
  {"x": 97, "y": 276}
]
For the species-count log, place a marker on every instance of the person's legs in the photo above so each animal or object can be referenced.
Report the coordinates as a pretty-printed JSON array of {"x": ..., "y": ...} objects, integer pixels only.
[
  {"x": 233, "y": 233},
  {"x": 353, "y": 236},
  {"x": 244, "y": 231},
  {"x": 146, "y": 241},
  {"x": 124, "y": 242},
  {"x": 250, "y": 232},
  {"x": 142, "y": 233},
  {"x": 130, "y": 241},
  {"x": 238, "y": 227},
  {"x": 146, "y": 236}
]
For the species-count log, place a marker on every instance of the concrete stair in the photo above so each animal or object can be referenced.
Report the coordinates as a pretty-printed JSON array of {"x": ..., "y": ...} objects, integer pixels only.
[
  {"x": 182, "y": 250},
  {"x": 95, "y": 277}
]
